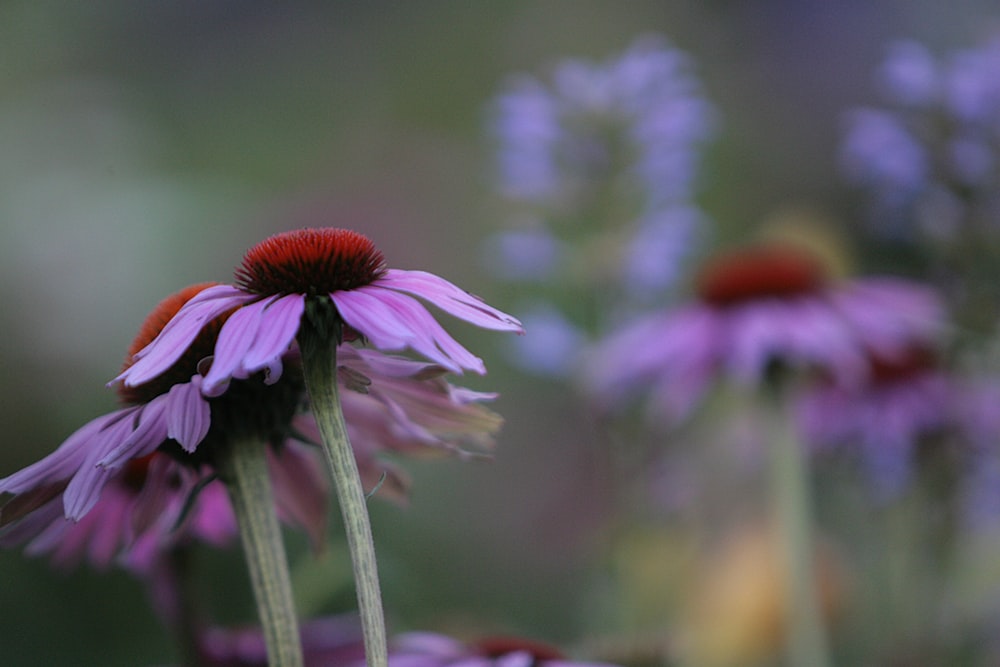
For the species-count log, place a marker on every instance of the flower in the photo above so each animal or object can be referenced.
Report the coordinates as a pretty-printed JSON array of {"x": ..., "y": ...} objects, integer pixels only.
[
  {"x": 126, "y": 479},
  {"x": 426, "y": 649},
  {"x": 759, "y": 307},
  {"x": 277, "y": 279}
]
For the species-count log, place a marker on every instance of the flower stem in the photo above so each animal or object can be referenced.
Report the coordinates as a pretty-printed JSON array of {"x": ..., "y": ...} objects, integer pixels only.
[
  {"x": 806, "y": 639},
  {"x": 319, "y": 362},
  {"x": 243, "y": 468}
]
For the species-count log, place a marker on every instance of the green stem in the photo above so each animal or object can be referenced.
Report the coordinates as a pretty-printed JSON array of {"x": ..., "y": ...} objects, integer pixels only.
[
  {"x": 243, "y": 469},
  {"x": 807, "y": 641},
  {"x": 319, "y": 362}
]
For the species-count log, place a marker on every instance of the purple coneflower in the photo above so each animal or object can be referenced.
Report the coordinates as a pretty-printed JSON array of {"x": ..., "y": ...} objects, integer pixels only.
[
  {"x": 126, "y": 478},
  {"x": 277, "y": 279},
  {"x": 392, "y": 404},
  {"x": 756, "y": 308},
  {"x": 320, "y": 287}
]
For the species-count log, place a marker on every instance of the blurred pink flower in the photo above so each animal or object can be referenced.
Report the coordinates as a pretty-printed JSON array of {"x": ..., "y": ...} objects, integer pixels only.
[{"x": 756, "y": 308}]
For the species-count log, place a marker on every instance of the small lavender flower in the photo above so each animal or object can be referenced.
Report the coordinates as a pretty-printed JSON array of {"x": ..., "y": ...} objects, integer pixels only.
[{"x": 553, "y": 349}]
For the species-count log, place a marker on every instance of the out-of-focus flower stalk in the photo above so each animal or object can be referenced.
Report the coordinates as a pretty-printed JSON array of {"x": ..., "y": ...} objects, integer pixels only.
[{"x": 792, "y": 497}]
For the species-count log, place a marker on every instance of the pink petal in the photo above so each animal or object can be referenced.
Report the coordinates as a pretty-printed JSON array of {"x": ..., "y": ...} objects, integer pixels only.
[
  {"x": 149, "y": 433},
  {"x": 188, "y": 414},
  {"x": 449, "y": 298},
  {"x": 392, "y": 321},
  {"x": 372, "y": 318},
  {"x": 84, "y": 490},
  {"x": 67, "y": 459},
  {"x": 235, "y": 339},
  {"x": 180, "y": 332},
  {"x": 279, "y": 324}
]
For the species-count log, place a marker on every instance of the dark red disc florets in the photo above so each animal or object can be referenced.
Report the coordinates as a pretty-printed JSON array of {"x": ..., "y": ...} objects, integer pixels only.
[
  {"x": 762, "y": 272},
  {"x": 310, "y": 261},
  {"x": 182, "y": 370}
]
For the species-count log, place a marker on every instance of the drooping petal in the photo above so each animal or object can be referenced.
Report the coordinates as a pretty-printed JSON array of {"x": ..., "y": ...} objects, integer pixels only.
[
  {"x": 180, "y": 332},
  {"x": 409, "y": 321},
  {"x": 149, "y": 433},
  {"x": 67, "y": 459},
  {"x": 235, "y": 339},
  {"x": 373, "y": 319},
  {"x": 279, "y": 324},
  {"x": 188, "y": 414},
  {"x": 449, "y": 298},
  {"x": 84, "y": 490}
]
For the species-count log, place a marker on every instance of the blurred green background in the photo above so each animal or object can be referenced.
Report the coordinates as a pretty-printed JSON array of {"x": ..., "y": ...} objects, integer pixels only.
[{"x": 145, "y": 145}]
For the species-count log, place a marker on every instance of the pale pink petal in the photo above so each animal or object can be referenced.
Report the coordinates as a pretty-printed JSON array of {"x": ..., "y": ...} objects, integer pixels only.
[
  {"x": 449, "y": 298},
  {"x": 235, "y": 339},
  {"x": 150, "y": 430},
  {"x": 84, "y": 490},
  {"x": 407, "y": 321},
  {"x": 67, "y": 459},
  {"x": 279, "y": 324},
  {"x": 180, "y": 332},
  {"x": 373, "y": 319},
  {"x": 188, "y": 414}
]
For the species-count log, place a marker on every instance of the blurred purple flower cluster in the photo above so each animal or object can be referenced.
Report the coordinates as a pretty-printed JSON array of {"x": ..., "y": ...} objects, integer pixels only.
[
  {"x": 929, "y": 158},
  {"x": 599, "y": 168}
]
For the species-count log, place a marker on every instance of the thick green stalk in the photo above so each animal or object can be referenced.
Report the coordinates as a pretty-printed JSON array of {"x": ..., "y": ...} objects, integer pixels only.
[
  {"x": 243, "y": 469},
  {"x": 807, "y": 641},
  {"x": 319, "y": 362}
]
